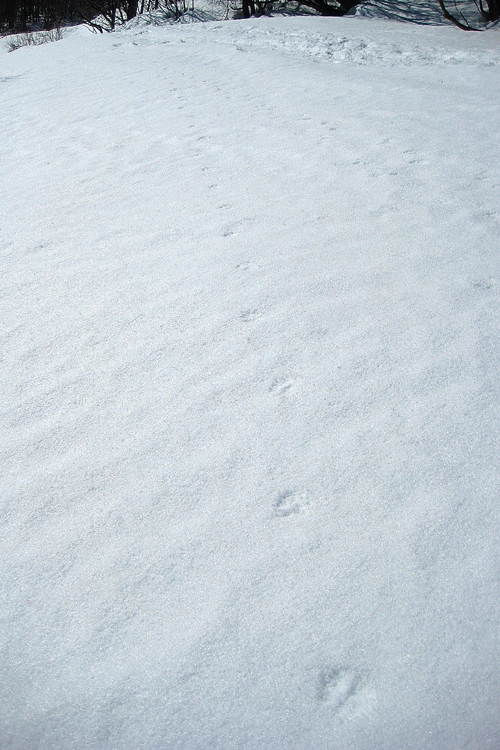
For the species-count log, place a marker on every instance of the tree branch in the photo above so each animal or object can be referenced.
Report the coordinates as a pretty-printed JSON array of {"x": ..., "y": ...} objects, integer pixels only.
[{"x": 449, "y": 17}]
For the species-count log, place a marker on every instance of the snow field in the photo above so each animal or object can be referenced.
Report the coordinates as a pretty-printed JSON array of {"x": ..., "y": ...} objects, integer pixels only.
[{"x": 249, "y": 388}]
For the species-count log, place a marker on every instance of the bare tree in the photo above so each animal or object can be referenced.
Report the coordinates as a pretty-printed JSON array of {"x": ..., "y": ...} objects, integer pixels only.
[
  {"x": 487, "y": 11},
  {"x": 105, "y": 15}
]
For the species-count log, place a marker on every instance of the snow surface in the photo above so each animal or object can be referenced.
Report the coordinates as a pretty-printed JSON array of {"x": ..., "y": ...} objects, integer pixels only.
[{"x": 250, "y": 418}]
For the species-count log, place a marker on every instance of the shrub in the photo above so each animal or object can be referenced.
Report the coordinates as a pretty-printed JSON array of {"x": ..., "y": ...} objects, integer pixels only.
[{"x": 33, "y": 39}]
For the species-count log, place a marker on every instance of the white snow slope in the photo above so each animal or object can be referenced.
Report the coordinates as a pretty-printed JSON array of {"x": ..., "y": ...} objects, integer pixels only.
[{"x": 250, "y": 416}]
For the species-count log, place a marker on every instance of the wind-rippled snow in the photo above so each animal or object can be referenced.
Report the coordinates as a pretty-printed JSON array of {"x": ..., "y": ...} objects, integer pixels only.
[{"x": 250, "y": 349}]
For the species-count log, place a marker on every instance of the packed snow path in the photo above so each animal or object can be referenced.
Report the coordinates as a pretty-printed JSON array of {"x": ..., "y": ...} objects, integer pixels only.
[{"x": 250, "y": 395}]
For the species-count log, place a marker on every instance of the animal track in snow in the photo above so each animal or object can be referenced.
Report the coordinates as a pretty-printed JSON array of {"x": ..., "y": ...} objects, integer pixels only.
[
  {"x": 281, "y": 385},
  {"x": 337, "y": 686},
  {"x": 247, "y": 266},
  {"x": 249, "y": 315},
  {"x": 289, "y": 502},
  {"x": 484, "y": 284},
  {"x": 235, "y": 226}
]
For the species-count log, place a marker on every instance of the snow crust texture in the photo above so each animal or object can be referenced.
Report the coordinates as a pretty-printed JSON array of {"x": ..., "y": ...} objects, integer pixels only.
[
  {"x": 388, "y": 44},
  {"x": 249, "y": 400}
]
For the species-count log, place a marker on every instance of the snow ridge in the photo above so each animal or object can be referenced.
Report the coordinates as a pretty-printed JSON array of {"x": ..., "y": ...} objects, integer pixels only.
[{"x": 305, "y": 42}]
